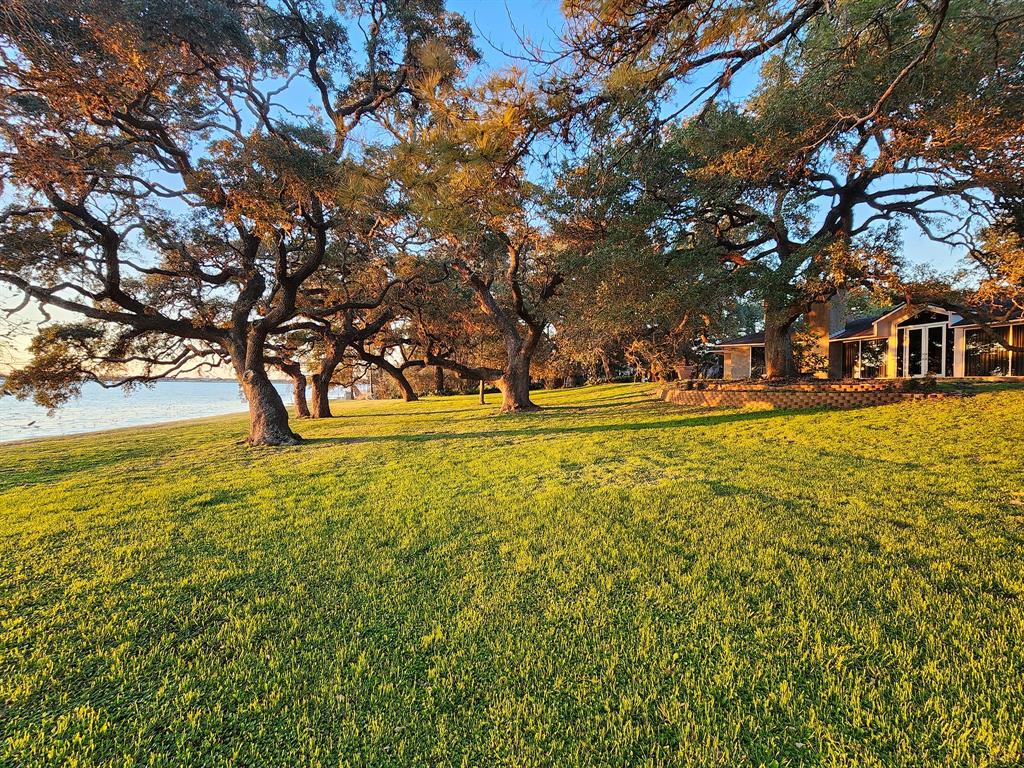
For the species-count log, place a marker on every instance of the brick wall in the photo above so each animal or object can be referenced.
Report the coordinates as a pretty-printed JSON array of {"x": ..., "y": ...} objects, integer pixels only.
[
  {"x": 806, "y": 385},
  {"x": 791, "y": 397}
]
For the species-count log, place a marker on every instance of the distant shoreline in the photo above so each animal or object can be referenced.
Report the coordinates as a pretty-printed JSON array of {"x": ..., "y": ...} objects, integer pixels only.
[
  {"x": 101, "y": 409},
  {"x": 126, "y": 428}
]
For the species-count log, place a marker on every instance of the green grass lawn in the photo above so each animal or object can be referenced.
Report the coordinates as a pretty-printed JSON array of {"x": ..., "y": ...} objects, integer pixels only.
[{"x": 613, "y": 581}]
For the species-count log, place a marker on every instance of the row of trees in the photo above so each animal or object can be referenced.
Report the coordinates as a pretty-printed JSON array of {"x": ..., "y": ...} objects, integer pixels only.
[{"x": 264, "y": 185}]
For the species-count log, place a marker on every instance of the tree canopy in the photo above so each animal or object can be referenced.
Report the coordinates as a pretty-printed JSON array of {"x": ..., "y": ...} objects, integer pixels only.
[
  {"x": 865, "y": 116},
  {"x": 167, "y": 190},
  {"x": 290, "y": 186}
]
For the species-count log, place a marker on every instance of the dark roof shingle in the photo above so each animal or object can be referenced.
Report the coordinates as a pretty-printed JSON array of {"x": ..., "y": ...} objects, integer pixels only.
[
  {"x": 858, "y": 326},
  {"x": 750, "y": 339}
]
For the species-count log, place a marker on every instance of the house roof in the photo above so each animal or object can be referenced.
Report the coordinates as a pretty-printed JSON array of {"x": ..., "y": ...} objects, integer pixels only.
[
  {"x": 861, "y": 327},
  {"x": 858, "y": 327},
  {"x": 749, "y": 340},
  {"x": 855, "y": 328},
  {"x": 891, "y": 311}
]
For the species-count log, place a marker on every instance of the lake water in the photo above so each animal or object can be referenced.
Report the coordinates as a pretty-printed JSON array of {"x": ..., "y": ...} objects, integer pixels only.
[{"x": 100, "y": 408}]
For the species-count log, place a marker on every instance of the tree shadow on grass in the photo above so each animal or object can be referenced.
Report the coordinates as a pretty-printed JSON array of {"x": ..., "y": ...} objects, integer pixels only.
[
  {"x": 568, "y": 429},
  {"x": 645, "y": 404},
  {"x": 411, "y": 413},
  {"x": 633, "y": 392}
]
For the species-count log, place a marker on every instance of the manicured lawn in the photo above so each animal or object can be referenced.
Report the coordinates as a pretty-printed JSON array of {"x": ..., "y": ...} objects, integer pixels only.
[{"x": 613, "y": 581}]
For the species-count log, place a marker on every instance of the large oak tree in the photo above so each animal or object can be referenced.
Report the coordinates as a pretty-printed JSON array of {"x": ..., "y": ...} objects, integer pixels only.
[
  {"x": 462, "y": 170},
  {"x": 866, "y": 114},
  {"x": 177, "y": 172}
]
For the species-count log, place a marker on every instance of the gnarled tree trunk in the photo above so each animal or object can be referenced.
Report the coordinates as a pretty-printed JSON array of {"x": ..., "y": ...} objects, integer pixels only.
[
  {"x": 321, "y": 406},
  {"x": 408, "y": 393},
  {"x": 321, "y": 380},
  {"x": 396, "y": 373},
  {"x": 520, "y": 329},
  {"x": 293, "y": 371},
  {"x": 438, "y": 380},
  {"x": 778, "y": 346},
  {"x": 299, "y": 396},
  {"x": 515, "y": 385},
  {"x": 268, "y": 417}
]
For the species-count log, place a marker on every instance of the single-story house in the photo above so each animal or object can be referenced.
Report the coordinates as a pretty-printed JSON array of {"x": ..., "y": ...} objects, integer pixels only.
[{"x": 904, "y": 342}]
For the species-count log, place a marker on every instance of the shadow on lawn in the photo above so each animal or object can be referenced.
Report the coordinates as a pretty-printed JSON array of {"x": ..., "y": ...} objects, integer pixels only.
[
  {"x": 412, "y": 412},
  {"x": 537, "y": 431},
  {"x": 645, "y": 404}
]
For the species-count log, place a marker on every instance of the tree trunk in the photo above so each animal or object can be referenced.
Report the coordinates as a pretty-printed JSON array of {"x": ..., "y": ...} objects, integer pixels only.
[
  {"x": 515, "y": 386},
  {"x": 299, "y": 396},
  {"x": 268, "y": 418},
  {"x": 778, "y": 347},
  {"x": 321, "y": 390},
  {"x": 293, "y": 371},
  {"x": 483, "y": 401},
  {"x": 396, "y": 373},
  {"x": 438, "y": 380},
  {"x": 408, "y": 393},
  {"x": 321, "y": 380}
]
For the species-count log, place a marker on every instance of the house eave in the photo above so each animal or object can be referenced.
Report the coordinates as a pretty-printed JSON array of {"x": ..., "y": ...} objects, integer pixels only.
[{"x": 975, "y": 326}]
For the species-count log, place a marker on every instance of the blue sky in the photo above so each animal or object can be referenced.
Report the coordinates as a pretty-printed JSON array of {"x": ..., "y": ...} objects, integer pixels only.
[{"x": 541, "y": 20}]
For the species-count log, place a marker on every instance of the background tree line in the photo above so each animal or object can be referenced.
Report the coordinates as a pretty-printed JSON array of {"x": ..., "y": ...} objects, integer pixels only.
[{"x": 313, "y": 189}]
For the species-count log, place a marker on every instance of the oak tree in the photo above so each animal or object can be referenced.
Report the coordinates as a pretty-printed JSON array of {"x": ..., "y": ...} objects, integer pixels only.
[{"x": 177, "y": 172}]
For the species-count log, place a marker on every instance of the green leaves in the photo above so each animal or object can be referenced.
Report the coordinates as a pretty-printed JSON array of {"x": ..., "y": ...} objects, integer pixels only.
[{"x": 61, "y": 358}]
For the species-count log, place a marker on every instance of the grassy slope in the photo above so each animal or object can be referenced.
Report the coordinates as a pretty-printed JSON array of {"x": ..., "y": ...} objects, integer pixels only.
[{"x": 613, "y": 581}]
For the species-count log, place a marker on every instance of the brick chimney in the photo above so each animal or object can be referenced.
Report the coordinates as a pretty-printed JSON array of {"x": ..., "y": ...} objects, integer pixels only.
[{"x": 825, "y": 319}]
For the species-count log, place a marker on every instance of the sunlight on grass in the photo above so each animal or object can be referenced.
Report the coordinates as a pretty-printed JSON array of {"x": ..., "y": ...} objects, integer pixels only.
[{"x": 611, "y": 581}]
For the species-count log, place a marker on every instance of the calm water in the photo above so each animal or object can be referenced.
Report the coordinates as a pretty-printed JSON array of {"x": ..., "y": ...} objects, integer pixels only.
[{"x": 100, "y": 408}]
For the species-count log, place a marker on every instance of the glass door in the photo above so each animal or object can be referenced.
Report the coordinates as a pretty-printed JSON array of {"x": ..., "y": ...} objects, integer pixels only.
[
  {"x": 926, "y": 351},
  {"x": 936, "y": 350},
  {"x": 915, "y": 351}
]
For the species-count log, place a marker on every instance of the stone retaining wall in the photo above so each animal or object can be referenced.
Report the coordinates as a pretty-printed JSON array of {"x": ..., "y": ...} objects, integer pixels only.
[
  {"x": 823, "y": 385},
  {"x": 793, "y": 397}
]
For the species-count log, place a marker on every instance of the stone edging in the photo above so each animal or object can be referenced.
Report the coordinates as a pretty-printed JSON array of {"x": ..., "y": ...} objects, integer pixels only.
[{"x": 790, "y": 399}]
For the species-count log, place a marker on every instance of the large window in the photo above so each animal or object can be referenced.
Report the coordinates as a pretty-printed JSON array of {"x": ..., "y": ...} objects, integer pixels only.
[
  {"x": 756, "y": 362},
  {"x": 865, "y": 359},
  {"x": 873, "y": 356},
  {"x": 984, "y": 356},
  {"x": 915, "y": 351}
]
